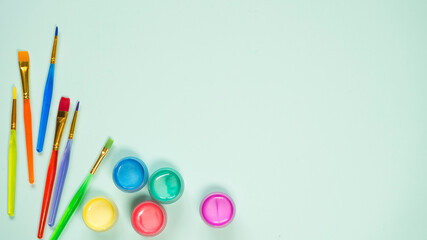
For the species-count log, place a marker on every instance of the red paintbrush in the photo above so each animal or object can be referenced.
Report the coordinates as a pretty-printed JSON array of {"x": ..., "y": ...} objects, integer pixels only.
[{"x": 61, "y": 118}]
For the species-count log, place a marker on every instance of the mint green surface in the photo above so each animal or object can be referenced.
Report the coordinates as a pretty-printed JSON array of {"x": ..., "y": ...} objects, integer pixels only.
[
  {"x": 311, "y": 114},
  {"x": 166, "y": 185}
]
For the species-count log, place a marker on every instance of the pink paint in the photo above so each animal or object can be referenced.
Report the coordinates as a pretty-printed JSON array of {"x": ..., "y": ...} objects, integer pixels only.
[
  {"x": 217, "y": 209},
  {"x": 149, "y": 218}
]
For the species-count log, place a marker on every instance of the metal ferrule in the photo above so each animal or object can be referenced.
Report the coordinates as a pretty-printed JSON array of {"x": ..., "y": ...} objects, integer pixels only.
[
  {"x": 13, "y": 124},
  {"x": 100, "y": 158},
  {"x": 53, "y": 56},
  {"x": 60, "y": 123},
  {"x": 24, "y": 68},
  {"x": 73, "y": 125}
]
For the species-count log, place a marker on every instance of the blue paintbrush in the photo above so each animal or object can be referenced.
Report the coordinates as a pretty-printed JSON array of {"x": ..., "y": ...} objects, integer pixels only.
[{"x": 47, "y": 98}]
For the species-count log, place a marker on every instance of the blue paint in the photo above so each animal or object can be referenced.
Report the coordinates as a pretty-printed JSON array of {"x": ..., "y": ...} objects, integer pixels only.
[{"x": 130, "y": 174}]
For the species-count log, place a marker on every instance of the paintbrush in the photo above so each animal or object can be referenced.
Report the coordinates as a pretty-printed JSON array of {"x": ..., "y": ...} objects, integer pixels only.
[
  {"x": 63, "y": 170},
  {"x": 47, "y": 97},
  {"x": 24, "y": 68},
  {"x": 61, "y": 118},
  {"x": 78, "y": 197},
  {"x": 12, "y": 160}
]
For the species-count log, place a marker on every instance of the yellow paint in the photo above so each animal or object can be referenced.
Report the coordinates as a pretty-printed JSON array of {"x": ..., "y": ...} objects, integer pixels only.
[{"x": 100, "y": 214}]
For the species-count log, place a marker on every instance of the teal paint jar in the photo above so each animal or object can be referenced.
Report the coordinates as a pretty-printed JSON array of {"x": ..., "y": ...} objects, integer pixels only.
[{"x": 166, "y": 185}]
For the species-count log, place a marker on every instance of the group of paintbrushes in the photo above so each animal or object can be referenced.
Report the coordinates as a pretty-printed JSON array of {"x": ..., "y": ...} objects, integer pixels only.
[{"x": 64, "y": 104}]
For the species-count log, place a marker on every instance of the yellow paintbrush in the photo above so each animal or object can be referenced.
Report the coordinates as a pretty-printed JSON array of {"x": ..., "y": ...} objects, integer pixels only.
[{"x": 12, "y": 160}]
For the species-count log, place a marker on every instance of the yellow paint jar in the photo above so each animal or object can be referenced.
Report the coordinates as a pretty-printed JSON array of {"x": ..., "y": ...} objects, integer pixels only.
[{"x": 100, "y": 214}]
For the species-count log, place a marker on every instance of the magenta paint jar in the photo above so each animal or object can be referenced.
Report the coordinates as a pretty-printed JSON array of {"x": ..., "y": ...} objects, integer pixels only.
[{"x": 217, "y": 209}]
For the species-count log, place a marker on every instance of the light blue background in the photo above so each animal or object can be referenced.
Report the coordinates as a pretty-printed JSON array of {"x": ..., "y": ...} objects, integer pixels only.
[{"x": 310, "y": 114}]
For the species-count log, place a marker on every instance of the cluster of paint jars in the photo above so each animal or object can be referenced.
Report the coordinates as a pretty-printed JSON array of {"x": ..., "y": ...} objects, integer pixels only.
[{"x": 149, "y": 218}]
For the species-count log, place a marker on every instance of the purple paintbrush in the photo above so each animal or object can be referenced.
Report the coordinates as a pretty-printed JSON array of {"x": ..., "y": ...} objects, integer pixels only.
[{"x": 63, "y": 170}]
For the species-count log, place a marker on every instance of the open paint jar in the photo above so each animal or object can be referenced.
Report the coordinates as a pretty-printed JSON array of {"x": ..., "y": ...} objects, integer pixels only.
[
  {"x": 217, "y": 209},
  {"x": 166, "y": 185},
  {"x": 100, "y": 214},
  {"x": 149, "y": 218},
  {"x": 130, "y": 174}
]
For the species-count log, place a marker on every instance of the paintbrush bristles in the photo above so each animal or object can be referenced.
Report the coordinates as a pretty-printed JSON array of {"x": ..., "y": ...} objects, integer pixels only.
[
  {"x": 64, "y": 104},
  {"x": 14, "y": 93},
  {"x": 23, "y": 56},
  {"x": 108, "y": 143}
]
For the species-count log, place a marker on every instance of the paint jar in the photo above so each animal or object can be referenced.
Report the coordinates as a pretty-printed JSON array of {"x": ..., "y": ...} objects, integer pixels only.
[
  {"x": 166, "y": 185},
  {"x": 149, "y": 218},
  {"x": 100, "y": 214},
  {"x": 130, "y": 174},
  {"x": 217, "y": 209}
]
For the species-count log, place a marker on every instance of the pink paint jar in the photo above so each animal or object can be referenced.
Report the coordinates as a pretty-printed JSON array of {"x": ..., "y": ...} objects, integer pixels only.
[{"x": 149, "y": 218}]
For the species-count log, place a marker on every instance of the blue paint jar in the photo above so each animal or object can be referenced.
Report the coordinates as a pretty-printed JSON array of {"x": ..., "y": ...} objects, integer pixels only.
[{"x": 130, "y": 174}]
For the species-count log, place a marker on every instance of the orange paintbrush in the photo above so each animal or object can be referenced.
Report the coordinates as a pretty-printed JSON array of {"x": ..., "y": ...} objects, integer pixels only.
[{"x": 24, "y": 68}]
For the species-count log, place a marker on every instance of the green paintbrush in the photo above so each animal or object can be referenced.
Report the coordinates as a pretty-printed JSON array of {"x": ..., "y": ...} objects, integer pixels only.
[{"x": 77, "y": 199}]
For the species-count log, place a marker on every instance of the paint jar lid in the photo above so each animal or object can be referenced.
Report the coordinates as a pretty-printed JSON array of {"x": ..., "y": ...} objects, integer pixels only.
[
  {"x": 149, "y": 218},
  {"x": 130, "y": 174},
  {"x": 217, "y": 209},
  {"x": 166, "y": 185},
  {"x": 100, "y": 214}
]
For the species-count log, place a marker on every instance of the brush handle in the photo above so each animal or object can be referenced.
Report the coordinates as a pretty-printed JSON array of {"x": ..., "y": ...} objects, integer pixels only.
[
  {"x": 29, "y": 139},
  {"x": 74, "y": 204},
  {"x": 47, "y": 99},
  {"x": 60, "y": 182},
  {"x": 47, "y": 192},
  {"x": 12, "y": 173}
]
